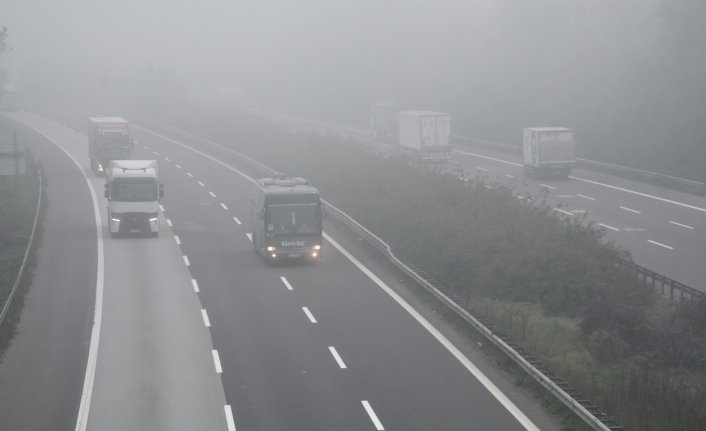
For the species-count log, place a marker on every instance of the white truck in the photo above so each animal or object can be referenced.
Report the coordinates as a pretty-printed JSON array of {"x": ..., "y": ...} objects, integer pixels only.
[
  {"x": 426, "y": 135},
  {"x": 133, "y": 191},
  {"x": 548, "y": 152}
]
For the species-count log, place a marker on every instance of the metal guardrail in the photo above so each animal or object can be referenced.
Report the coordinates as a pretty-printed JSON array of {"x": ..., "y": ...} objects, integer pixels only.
[
  {"x": 30, "y": 243},
  {"x": 669, "y": 288}
]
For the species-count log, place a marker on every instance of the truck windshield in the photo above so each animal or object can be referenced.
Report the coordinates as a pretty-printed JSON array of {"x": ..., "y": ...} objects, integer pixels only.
[
  {"x": 114, "y": 141},
  {"x": 294, "y": 219},
  {"x": 134, "y": 190}
]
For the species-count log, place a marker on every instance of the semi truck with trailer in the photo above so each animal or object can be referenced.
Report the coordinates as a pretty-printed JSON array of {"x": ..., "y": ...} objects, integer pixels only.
[
  {"x": 548, "y": 152},
  {"x": 426, "y": 135},
  {"x": 286, "y": 218},
  {"x": 108, "y": 139},
  {"x": 134, "y": 192}
]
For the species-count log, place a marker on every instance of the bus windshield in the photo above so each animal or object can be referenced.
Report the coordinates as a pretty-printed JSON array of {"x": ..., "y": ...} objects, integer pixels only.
[{"x": 294, "y": 219}]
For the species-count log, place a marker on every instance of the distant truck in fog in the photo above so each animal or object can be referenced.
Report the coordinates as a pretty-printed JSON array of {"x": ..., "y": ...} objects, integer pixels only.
[
  {"x": 548, "y": 152},
  {"x": 108, "y": 139},
  {"x": 133, "y": 191},
  {"x": 384, "y": 124},
  {"x": 426, "y": 135}
]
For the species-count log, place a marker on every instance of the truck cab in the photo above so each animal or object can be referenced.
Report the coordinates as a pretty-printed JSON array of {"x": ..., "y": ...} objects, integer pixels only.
[{"x": 134, "y": 192}]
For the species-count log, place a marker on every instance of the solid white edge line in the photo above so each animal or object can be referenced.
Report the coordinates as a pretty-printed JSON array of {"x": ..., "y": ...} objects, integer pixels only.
[
  {"x": 224, "y": 206},
  {"x": 308, "y": 313},
  {"x": 680, "y": 225},
  {"x": 217, "y": 361},
  {"x": 478, "y": 374},
  {"x": 337, "y": 357},
  {"x": 286, "y": 283},
  {"x": 586, "y": 197},
  {"x": 195, "y": 285},
  {"x": 548, "y": 186},
  {"x": 501, "y": 397},
  {"x": 236, "y": 220},
  {"x": 660, "y": 244},
  {"x": 206, "y": 320},
  {"x": 186, "y": 260},
  {"x": 644, "y": 195},
  {"x": 176, "y": 238},
  {"x": 229, "y": 418},
  {"x": 608, "y": 227},
  {"x": 564, "y": 212},
  {"x": 89, "y": 376},
  {"x": 630, "y": 210},
  {"x": 373, "y": 417}
]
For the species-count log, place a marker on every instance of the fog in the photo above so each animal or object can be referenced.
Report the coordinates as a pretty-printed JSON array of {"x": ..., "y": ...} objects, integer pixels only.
[{"x": 627, "y": 75}]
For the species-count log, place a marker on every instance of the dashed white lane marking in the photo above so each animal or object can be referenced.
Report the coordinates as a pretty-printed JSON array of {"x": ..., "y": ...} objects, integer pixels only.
[
  {"x": 178, "y": 166},
  {"x": 213, "y": 195},
  {"x": 169, "y": 222},
  {"x": 630, "y": 210},
  {"x": 217, "y": 361},
  {"x": 373, "y": 416},
  {"x": 511, "y": 176},
  {"x": 201, "y": 184},
  {"x": 224, "y": 206},
  {"x": 236, "y": 220},
  {"x": 229, "y": 418},
  {"x": 565, "y": 196},
  {"x": 286, "y": 283},
  {"x": 470, "y": 366},
  {"x": 660, "y": 244},
  {"x": 190, "y": 174},
  {"x": 482, "y": 169},
  {"x": 337, "y": 357},
  {"x": 680, "y": 225},
  {"x": 186, "y": 261},
  {"x": 563, "y": 212},
  {"x": 547, "y": 186},
  {"x": 155, "y": 153},
  {"x": 161, "y": 208},
  {"x": 167, "y": 159},
  {"x": 586, "y": 197},
  {"x": 176, "y": 238},
  {"x": 249, "y": 235},
  {"x": 205, "y": 318},
  {"x": 311, "y": 317},
  {"x": 608, "y": 227},
  {"x": 145, "y": 147},
  {"x": 195, "y": 285}
]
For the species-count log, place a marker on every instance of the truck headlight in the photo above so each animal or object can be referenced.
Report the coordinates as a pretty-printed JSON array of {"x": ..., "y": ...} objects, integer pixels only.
[{"x": 317, "y": 247}]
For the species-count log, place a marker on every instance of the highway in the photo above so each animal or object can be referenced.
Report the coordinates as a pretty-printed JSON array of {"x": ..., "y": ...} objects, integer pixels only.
[{"x": 196, "y": 332}]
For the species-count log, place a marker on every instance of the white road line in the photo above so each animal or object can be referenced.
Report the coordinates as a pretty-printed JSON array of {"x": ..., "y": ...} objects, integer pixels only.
[
  {"x": 660, "y": 244},
  {"x": 337, "y": 357},
  {"x": 482, "y": 169},
  {"x": 161, "y": 208},
  {"x": 169, "y": 222},
  {"x": 205, "y": 318},
  {"x": 249, "y": 235},
  {"x": 680, "y": 225},
  {"x": 236, "y": 220},
  {"x": 511, "y": 176},
  {"x": 373, "y": 416},
  {"x": 460, "y": 357},
  {"x": 630, "y": 210},
  {"x": 176, "y": 238},
  {"x": 224, "y": 206},
  {"x": 190, "y": 174},
  {"x": 167, "y": 159},
  {"x": 201, "y": 184},
  {"x": 608, "y": 227},
  {"x": 186, "y": 260},
  {"x": 155, "y": 153},
  {"x": 311, "y": 317},
  {"x": 145, "y": 147},
  {"x": 217, "y": 361},
  {"x": 286, "y": 283},
  {"x": 466, "y": 153},
  {"x": 564, "y": 212},
  {"x": 547, "y": 186},
  {"x": 195, "y": 285},
  {"x": 212, "y": 194},
  {"x": 644, "y": 195},
  {"x": 586, "y": 197},
  {"x": 229, "y": 418},
  {"x": 178, "y": 166}
]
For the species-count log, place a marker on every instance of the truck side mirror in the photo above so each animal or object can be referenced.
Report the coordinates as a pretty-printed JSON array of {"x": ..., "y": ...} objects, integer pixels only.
[
  {"x": 105, "y": 192},
  {"x": 161, "y": 190}
]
